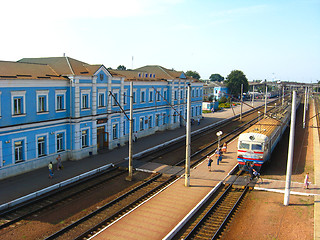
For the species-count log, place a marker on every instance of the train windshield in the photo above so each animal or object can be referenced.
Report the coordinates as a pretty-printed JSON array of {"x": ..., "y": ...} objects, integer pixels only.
[
  {"x": 243, "y": 145},
  {"x": 256, "y": 147}
]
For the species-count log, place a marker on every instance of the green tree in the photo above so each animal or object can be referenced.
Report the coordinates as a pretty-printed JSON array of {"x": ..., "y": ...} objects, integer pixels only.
[
  {"x": 234, "y": 81},
  {"x": 121, "y": 67},
  {"x": 216, "y": 77},
  {"x": 193, "y": 74}
]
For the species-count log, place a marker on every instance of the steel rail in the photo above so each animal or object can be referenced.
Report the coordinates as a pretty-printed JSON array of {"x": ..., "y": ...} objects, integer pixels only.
[
  {"x": 92, "y": 214},
  {"x": 52, "y": 195}
]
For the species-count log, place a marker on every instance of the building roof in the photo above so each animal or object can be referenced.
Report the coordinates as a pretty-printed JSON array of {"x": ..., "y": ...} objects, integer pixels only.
[
  {"x": 214, "y": 84},
  {"x": 65, "y": 65},
  {"x": 150, "y": 73},
  {"x": 19, "y": 70}
]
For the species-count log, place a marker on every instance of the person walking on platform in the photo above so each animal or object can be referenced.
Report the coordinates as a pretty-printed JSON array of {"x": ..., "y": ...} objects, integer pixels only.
[
  {"x": 218, "y": 156},
  {"x": 50, "y": 167},
  {"x": 59, "y": 164},
  {"x": 251, "y": 170},
  {"x": 224, "y": 148},
  {"x": 306, "y": 181},
  {"x": 209, "y": 163}
]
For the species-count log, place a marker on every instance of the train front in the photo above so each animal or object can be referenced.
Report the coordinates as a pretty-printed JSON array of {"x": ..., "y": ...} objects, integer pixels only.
[{"x": 251, "y": 150}]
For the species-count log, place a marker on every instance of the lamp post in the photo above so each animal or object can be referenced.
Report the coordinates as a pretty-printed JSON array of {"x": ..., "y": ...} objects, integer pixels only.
[{"x": 219, "y": 136}]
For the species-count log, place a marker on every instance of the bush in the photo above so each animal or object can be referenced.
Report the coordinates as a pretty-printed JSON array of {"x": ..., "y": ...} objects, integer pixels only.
[
  {"x": 223, "y": 99},
  {"x": 224, "y": 105}
]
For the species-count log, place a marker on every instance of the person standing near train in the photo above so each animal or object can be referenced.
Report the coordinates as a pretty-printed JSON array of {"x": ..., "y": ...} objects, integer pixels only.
[
  {"x": 218, "y": 155},
  {"x": 224, "y": 148}
]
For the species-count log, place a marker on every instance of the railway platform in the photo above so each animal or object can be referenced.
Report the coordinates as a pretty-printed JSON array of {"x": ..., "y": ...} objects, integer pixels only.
[{"x": 155, "y": 218}]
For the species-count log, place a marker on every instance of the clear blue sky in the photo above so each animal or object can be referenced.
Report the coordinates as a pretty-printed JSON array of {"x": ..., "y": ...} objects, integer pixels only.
[{"x": 265, "y": 39}]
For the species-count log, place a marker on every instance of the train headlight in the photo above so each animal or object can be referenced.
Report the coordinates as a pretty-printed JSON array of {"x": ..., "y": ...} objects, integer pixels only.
[{"x": 260, "y": 157}]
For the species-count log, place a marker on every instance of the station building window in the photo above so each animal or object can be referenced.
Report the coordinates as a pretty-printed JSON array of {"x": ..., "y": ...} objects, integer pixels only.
[
  {"x": 18, "y": 106},
  {"x": 60, "y": 142},
  {"x": 18, "y": 151},
  {"x": 115, "y": 131},
  {"x": 42, "y": 101},
  {"x": 60, "y": 100},
  {"x": 41, "y": 146},
  {"x": 84, "y": 139},
  {"x": 141, "y": 123}
]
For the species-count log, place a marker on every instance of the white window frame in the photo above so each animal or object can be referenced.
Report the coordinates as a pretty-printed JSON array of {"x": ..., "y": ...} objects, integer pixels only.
[
  {"x": 22, "y": 95},
  {"x": 115, "y": 130},
  {"x": 87, "y": 138},
  {"x": 102, "y": 91},
  {"x": 116, "y": 94},
  {"x": 64, "y": 140},
  {"x": 45, "y": 94},
  {"x": 165, "y": 94},
  {"x": 24, "y": 149},
  {"x": 134, "y": 96},
  {"x": 141, "y": 123},
  {"x": 46, "y": 150},
  {"x": 60, "y": 93},
  {"x": 158, "y": 98},
  {"x": 143, "y": 96},
  {"x": 150, "y": 121},
  {"x": 85, "y": 93},
  {"x": 150, "y": 95},
  {"x": 125, "y": 96}
]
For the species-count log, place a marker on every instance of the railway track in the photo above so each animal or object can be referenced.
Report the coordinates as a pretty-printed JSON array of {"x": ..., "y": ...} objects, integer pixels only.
[
  {"x": 14, "y": 216},
  {"x": 105, "y": 215},
  {"x": 211, "y": 219},
  {"x": 201, "y": 154},
  {"x": 171, "y": 155}
]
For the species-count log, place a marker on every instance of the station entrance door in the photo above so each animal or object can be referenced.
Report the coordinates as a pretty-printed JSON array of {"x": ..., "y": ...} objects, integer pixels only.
[{"x": 102, "y": 138}]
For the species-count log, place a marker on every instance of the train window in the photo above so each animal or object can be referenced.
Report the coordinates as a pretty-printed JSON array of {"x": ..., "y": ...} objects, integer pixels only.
[
  {"x": 256, "y": 147},
  {"x": 243, "y": 145}
]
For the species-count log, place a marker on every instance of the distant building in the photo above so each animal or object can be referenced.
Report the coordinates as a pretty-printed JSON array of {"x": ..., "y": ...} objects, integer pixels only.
[
  {"x": 214, "y": 90},
  {"x": 59, "y": 105},
  {"x": 220, "y": 92}
]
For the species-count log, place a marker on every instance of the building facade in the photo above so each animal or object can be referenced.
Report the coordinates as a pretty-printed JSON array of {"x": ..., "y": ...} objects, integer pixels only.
[{"x": 51, "y": 106}]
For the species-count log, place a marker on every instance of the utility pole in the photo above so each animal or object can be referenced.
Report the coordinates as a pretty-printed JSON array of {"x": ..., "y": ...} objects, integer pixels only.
[
  {"x": 252, "y": 95},
  {"x": 307, "y": 98},
  {"x": 188, "y": 138},
  {"x": 290, "y": 151},
  {"x": 265, "y": 101},
  {"x": 130, "y": 133},
  {"x": 282, "y": 95},
  {"x": 241, "y": 103},
  {"x": 305, "y": 108}
]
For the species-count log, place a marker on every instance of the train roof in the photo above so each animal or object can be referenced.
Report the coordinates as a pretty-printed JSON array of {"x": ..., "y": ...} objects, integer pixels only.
[
  {"x": 253, "y": 137},
  {"x": 265, "y": 126}
]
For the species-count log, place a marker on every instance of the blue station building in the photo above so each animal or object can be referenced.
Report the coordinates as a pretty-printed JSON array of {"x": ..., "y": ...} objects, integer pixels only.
[{"x": 60, "y": 105}]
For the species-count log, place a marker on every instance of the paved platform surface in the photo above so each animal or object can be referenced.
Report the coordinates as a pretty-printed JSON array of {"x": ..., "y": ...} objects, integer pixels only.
[
  {"x": 23, "y": 184},
  {"x": 155, "y": 218}
]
